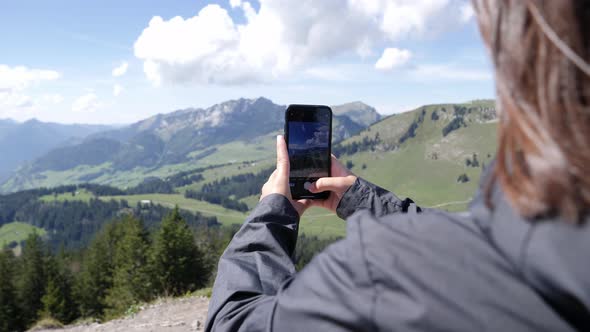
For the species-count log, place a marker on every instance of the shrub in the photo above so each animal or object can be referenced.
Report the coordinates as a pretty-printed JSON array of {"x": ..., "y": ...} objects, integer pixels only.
[
  {"x": 47, "y": 323},
  {"x": 463, "y": 178},
  {"x": 434, "y": 116}
]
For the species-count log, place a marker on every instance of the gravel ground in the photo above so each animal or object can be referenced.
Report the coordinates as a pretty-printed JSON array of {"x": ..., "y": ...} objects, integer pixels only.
[{"x": 168, "y": 315}]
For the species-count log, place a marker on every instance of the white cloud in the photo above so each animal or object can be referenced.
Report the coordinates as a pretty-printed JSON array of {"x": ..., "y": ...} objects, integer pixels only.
[
  {"x": 87, "y": 103},
  {"x": 334, "y": 73},
  {"x": 467, "y": 12},
  {"x": 320, "y": 138},
  {"x": 117, "y": 89},
  {"x": 392, "y": 58},
  {"x": 121, "y": 69},
  {"x": 235, "y": 3},
  {"x": 20, "y": 77},
  {"x": 52, "y": 98},
  {"x": 14, "y": 82},
  {"x": 404, "y": 17},
  {"x": 10, "y": 100},
  {"x": 282, "y": 36},
  {"x": 450, "y": 72}
]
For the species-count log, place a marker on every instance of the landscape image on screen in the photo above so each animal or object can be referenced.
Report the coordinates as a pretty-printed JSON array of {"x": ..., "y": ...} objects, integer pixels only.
[{"x": 308, "y": 149}]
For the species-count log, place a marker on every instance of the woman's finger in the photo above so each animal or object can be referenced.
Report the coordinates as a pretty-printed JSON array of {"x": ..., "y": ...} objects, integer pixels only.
[
  {"x": 272, "y": 175},
  {"x": 282, "y": 157},
  {"x": 336, "y": 184},
  {"x": 302, "y": 205},
  {"x": 315, "y": 202}
]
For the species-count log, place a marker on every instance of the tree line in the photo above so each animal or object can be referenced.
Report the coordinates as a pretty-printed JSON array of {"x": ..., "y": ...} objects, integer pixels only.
[
  {"x": 365, "y": 144},
  {"x": 74, "y": 223},
  {"x": 228, "y": 190},
  {"x": 124, "y": 264}
]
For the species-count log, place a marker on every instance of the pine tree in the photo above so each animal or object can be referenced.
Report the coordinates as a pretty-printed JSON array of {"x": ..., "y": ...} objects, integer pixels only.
[
  {"x": 131, "y": 276},
  {"x": 475, "y": 162},
  {"x": 64, "y": 262},
  {"x": 53, "y": 301},
  {"x": 58, "y": 302},
  {"x": 9, "y": 310},
  {"x": 176, "y": 260},
  {"x": 32, "y": 278},
  {"x": 96, "y": 275}
]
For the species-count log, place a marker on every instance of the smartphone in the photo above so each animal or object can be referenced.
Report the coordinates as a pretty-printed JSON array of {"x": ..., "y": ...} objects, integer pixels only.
[{"x": 308, "y": 133}]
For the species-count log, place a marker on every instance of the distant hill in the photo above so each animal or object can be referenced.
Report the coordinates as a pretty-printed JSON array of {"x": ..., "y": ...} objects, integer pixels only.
[
  {"x": 233, "y": 131},
  {"x": 20, "y": 142},
  {"x": 421, "y": 153},
  {"x": 358, "y": 112}
]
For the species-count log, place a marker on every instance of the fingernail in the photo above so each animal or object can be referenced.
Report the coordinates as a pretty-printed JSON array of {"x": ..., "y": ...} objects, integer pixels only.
[{"x": 307, "y": 185}]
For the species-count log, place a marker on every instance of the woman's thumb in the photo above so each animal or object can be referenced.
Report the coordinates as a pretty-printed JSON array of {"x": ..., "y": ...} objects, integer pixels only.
[{"x": 327, "y": 184}]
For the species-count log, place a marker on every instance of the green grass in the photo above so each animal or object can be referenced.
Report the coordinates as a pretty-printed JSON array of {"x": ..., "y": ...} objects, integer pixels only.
[
  {"x": 315, "y": 222},
  {"x": 203, "y": 292},
  {"x": 51, "y": 178},
  {"x": 228, "y": 171},
  {"x": 251, "y": 201},
  {"x": 260, "y": 148},
  {"x": 224, "y": 216},
  {"x": 412, "y": 171},
  {"x": 322, "y": 223},
  {"x": 78, "y": 195},
  {"x": 17, "y": 232},
  {"x": 47, "y": 323}
]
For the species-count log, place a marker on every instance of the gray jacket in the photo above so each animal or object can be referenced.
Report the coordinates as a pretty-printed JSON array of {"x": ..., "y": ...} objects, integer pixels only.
[{"x": 402, "y": 270}]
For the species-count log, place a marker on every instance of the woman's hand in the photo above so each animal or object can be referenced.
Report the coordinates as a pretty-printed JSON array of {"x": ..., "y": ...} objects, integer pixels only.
[
  {"x": 337, "y": 185},
  {"x": 278, "y": 182}
]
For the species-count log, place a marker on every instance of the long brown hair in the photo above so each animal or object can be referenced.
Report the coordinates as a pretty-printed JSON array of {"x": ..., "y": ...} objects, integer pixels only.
[{"x": 541, "y": 53}]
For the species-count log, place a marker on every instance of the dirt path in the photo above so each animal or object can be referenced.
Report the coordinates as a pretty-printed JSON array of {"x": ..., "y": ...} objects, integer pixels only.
[{"x": 168, "y": 315}]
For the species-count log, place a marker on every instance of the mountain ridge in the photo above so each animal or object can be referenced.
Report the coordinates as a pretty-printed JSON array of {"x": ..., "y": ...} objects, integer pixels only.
[{"x": 177, "y": 137}]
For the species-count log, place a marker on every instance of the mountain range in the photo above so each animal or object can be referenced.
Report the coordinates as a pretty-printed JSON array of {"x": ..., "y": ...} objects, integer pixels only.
[
  {"x": 20, "y": 142},
  {"x": 434, "y": 154},
  {"x": 195, "y": 136}
]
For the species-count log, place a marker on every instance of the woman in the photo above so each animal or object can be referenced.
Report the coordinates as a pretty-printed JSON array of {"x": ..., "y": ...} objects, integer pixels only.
[{"x": 517, "y": 262}]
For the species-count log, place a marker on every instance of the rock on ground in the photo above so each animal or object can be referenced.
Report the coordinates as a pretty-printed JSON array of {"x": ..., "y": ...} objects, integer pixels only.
[{"x": 168, "y": 315}]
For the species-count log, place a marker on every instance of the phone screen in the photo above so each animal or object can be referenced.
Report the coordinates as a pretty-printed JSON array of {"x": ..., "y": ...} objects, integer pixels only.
[{"x": 309, "y": 143}]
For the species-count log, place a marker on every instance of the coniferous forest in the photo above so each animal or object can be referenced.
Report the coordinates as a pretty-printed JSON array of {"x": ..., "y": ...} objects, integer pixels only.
[{"x": 126, "y": 263}]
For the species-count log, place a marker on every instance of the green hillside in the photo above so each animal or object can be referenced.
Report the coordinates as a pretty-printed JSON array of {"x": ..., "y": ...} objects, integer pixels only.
[
  {"x": 77, "y": 195},
  {"x": 315, "y": 222},
  {"x": 17, "y": 232},
  {"x": 426, "y": 166}
]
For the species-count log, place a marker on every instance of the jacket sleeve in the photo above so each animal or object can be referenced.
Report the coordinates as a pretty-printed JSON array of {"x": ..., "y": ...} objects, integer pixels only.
[
  {"x": 256, "y": 288},
  {"x": 253, "y": 267},
  {"x": 366, "y": 195}
]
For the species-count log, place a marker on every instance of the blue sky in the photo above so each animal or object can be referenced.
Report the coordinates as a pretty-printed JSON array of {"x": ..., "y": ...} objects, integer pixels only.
[{"x": 58, "y": 58}]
